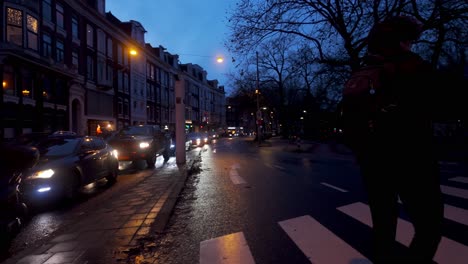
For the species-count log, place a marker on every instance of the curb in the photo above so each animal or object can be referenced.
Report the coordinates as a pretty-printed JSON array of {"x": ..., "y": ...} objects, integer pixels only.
[{"x": 165, "y": 212}]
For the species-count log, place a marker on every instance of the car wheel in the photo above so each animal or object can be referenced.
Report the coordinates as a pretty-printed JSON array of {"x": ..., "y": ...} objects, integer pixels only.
[
  {"x": 73, "y": 187},
  {"x": 151, "y": 161},
  {"x": 113, "y": 174}
]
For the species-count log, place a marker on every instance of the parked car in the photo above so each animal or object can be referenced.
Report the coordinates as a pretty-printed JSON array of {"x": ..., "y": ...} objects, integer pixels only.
[
  {"x": 67, "y": 163},
  {"x": 14, "y": 160},
  {"x": 198, "y": 139},
  {"x": 143, "y": 142}
]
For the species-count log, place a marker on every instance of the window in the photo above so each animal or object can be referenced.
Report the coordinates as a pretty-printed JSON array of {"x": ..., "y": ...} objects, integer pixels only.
[
  {"x": 120, "y": 106},
  {"x": 46, "y": 45},
  {"x": 75, "y": 31},
  {"x": 109, "y": 47},
  {"x": 59, "y": 15},
  {"x": 15, "y": 26},
  {"x": 75, "y": 58},
  {"x": 125, "y": 82},
  {"x": 90, "y": 67},
  {"x": 8, "y": 81},
  {"x": 47, "y": 10},
  {"x": 126, "y": 107},
  {"x": 100, "y": 69},
  {"x": 59, "y": 51},
  {"x": 119, "y": 54},
  {"x": 120, "y": 81},
  {"x": 32, "y": 32},
  {"x": 90, "y": 35},
  {"x": 101, "y": 41},
  {"x": 109, "y": 73}
]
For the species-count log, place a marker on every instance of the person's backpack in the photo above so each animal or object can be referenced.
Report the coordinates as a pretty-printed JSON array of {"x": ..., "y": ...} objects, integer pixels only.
[{"x": 365, "y": 97}]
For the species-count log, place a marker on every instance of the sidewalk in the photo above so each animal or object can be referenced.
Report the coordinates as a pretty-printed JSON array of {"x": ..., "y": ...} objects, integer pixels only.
[{"x": 104, "y": 235}]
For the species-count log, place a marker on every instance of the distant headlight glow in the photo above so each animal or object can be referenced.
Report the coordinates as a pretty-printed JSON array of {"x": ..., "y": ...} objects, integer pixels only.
[
  {"x": 44, "y": 174},
  {"x": 172, "y": 146},
  {"x": 115, "y": 153},
  {"x": 144, "y": 145},
  {"x": 45, "y": 189}
]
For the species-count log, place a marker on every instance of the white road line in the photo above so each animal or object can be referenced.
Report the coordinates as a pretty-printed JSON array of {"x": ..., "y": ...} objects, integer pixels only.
[
  {"x": 235, "y": 178},
  {"x": 462, "y": 193},
  {"x": 449, "y": 251},
  {"x": 279, "y": 167},
  {"x": 318, "y": 243},
  {"x": 333, "y": 187},
  {"x": 456, "y": 214},
  {"x": 459, "y": 179},
  {"x": 229, "y": 249}
]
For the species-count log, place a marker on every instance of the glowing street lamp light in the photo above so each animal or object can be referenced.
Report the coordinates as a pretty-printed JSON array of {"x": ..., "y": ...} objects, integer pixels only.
[
  {"x": 133, "y": 52},
  {"x": 219, "y": 59}
]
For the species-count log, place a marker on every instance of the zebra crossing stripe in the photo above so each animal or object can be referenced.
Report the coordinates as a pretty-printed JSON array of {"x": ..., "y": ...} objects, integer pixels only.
[
  {"x": 453, "y": 191},
  {"x": 333, "y": 187},
  {"x": 235, "y": 178},
  {"x": 279, "y": 167},
  {"x": 460, "y": 179},
  {"x": 456, "y": 214},
  {"x": 318, "y": 243},
  {"x": 449, "y": 251},
  {"x": 229, "y": 249}
]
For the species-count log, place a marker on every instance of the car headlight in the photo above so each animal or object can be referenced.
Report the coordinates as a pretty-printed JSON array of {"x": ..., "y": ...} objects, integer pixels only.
[
  {"x": 206, "y": 139},
  {"x": 144, "y": 145},
  {"x": 115, "y": 153},
  {"x": 198, "y": 141},
  {"x": 44, "y": 174}
]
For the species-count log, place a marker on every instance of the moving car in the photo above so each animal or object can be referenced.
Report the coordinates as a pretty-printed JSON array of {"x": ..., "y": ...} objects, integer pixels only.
[
  {"x": 143, "y": 142},
  {"x": 14, "y": 160},
  {"x": 67, "y": 163},
  {"x": 198, "y": 139}
]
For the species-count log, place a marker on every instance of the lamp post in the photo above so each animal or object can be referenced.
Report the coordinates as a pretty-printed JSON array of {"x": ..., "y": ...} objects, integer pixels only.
[{"x": 259, "y": 114}]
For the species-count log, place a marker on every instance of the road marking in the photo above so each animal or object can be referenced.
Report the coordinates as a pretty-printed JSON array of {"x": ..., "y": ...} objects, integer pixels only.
[
  {"x": 229, "y": 249},
  {"x": 459, "y": 179},
  {"x": 279, "y": 167},
  {"x": 449, "y": 251},
  {"x": 269, "y": 165},
  {"x": 319, "y": 244},
  {"x": 235, "y": 178},
  {"x": 333, "y": 187},
  {"x": 453, "y": 191},
  {"x": 456, "y": 214}
]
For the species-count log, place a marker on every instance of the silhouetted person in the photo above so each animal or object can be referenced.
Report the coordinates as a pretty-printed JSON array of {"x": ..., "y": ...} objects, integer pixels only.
[{"x": 398, "y": 159}]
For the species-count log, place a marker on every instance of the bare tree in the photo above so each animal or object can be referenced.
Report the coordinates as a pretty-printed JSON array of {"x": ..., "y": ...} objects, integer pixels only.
[{"x": 342, "y": 25}]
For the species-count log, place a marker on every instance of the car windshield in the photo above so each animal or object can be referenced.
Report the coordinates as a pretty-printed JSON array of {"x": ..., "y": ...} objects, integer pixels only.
[
  {"x": 55, "y": 147},
  {"x": 135, "y": 131}
]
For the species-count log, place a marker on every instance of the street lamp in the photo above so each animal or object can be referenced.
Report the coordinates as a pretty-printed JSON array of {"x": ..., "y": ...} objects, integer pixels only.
[{"x": 259, "y": 114}]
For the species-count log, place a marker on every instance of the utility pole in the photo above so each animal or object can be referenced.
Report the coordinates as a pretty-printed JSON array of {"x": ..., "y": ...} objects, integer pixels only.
[{"x": 259, "y": 113}]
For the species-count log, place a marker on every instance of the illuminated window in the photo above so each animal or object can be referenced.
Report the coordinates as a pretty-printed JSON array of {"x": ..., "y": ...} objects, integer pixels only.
[
  {"x": 32, "y": 32},
  {"x": 8, "y": 84},
  {"x": 59, "y": 15},
  {"x": 15, "y": 26}
]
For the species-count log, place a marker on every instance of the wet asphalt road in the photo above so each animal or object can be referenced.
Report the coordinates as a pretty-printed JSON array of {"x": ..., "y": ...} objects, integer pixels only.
[
  {"x": 47, "y": 218},
  {"x": 276, "y": 184}
]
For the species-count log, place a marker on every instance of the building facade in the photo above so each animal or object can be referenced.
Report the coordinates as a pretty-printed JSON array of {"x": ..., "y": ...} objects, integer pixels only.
[{"x": 69, "y": 65}]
